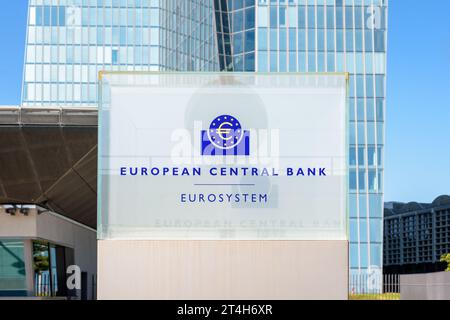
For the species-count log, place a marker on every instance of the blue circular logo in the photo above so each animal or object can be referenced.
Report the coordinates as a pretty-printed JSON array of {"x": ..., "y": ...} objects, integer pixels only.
[{"x": 225, "y": 132}]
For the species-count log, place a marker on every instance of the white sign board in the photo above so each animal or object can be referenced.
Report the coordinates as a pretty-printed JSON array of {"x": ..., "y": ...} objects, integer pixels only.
[{"x": 223, "y": 156}]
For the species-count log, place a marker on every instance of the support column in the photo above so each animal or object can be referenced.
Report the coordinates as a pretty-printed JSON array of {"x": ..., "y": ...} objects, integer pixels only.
[{"x": 28, "y": 260}]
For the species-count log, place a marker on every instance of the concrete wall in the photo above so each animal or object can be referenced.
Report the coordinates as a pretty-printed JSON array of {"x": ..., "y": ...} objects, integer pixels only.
[
  {"x": 57, "y": 230},
  {"x": 28, "y": 260},
  {"x": 18, "y": 226},
  {"x": 222, "y": 269},
  {"x": 430, "y": 286}
]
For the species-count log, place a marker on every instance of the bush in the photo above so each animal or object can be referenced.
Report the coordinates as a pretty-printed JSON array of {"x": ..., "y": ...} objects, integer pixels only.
[{"x": 446, "y": 258}]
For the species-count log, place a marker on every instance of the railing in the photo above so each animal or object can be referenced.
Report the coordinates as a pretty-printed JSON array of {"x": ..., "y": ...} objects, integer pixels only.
[
  {"x": 43, "y": 285},
  {"x": 367, "y": 286}
]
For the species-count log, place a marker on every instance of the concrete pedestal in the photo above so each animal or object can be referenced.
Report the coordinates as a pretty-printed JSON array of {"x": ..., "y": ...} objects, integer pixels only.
[{"x": 222, "y": 270}]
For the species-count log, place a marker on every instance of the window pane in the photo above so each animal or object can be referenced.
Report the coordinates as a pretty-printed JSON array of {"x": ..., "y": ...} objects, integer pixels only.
[
  {"x": 250, "y": 18},
  {"x": 12, "y": 265},
  {"x": 262, "y": 39},
  {"x": 273, "y": 17}
]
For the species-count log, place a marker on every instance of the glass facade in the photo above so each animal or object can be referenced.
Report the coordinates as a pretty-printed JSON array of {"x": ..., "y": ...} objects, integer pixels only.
[
  {"x": 12, "y": 268},
  {"x": 236, "y": 37},
  {"x": 327, "y": 36},
  {"x": 69, "y": 41},
  {"x": 340, "y": 36}
]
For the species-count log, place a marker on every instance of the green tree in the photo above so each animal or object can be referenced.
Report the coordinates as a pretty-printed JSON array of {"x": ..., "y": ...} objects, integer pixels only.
[
  {"x": 41, "y": 264},
  {"x": 446, "y": 258}
]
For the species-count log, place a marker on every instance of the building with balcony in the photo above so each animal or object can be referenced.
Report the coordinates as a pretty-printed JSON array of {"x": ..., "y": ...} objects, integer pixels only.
[{"x": 416, "y": 235}]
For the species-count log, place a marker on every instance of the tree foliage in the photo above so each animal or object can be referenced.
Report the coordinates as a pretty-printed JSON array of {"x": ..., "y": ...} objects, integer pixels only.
[
  {"x": 41, "y": 264},
  {"x": 446, "y": 258}
]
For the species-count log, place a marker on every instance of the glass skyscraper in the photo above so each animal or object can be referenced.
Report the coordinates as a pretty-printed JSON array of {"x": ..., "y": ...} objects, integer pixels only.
[
  {"x": 69, "y": 41},
  {"x": 329, "y": 36},
  {"x": 325, "y": 36}
]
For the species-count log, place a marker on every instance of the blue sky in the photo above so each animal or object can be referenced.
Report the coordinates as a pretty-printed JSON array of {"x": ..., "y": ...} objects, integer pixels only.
[
  {"x": 13, "y": 17},
  {"x": 418, "y": 110},
  {"x": 418, "y": 105}
]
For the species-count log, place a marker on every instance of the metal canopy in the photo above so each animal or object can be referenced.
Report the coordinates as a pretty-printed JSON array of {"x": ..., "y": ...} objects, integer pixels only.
[{"x": 48, "y": 157}]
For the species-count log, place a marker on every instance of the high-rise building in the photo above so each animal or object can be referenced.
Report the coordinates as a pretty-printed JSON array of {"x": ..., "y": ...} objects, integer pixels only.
[
  {"x": 416, "y": 236},
  {"x": 325, "y": 36},
  {"x": 69, "y": 41}
]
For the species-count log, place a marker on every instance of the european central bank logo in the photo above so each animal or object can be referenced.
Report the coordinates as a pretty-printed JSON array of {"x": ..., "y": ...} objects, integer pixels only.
[{"x": 225, "y": 137}]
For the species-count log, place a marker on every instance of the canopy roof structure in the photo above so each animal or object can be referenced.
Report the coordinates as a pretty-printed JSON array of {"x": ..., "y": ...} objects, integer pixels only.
[{"x": 48, "y": 157}]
